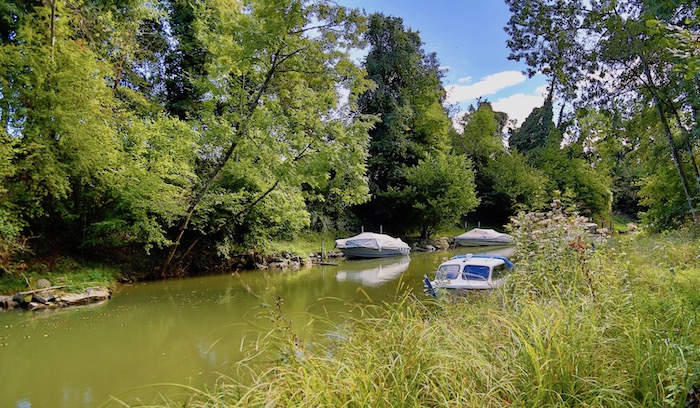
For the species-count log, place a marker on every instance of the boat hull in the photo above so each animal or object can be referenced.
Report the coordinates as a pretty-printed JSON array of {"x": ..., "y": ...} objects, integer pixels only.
[
  {"x": 353, "y": 253},
  {"x": 482, "y": 242}
]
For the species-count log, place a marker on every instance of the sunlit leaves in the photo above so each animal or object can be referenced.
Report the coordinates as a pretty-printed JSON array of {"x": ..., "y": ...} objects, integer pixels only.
[{"x": 440, "y": 192}]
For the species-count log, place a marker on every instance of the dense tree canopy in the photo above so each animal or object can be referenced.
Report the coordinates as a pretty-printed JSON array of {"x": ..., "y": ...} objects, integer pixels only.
[
  {"x": 614, "y": 59},
  {"x": 413, "y": 123},
  {"x": 107, "y": 145},
  {"x": 504, "y": 181}
]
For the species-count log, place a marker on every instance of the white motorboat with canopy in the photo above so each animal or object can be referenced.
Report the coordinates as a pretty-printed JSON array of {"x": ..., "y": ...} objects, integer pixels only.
[
  {"x": 482, "y": 237},
  {"x": 372, "y": 245}
]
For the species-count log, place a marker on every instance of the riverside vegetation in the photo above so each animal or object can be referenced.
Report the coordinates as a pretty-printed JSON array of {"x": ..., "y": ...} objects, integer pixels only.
[{"x": 612, "y": 324}]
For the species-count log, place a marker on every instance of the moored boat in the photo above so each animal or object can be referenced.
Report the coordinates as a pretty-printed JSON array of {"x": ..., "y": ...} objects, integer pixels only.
[
  {"x": 470, "y": 271},
  {"x": 483, "y": 237},
  {"x": 372, "y": 245}
]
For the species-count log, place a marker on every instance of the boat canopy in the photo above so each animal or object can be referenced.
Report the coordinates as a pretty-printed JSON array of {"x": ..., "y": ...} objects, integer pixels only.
[
  {"x": 478, "y": 234},
  {"x": 505, "y": 259},
  {"x": 371, "y": 240}
]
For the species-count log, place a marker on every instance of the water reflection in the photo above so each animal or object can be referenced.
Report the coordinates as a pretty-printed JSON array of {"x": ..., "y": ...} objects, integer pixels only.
[{"x": 373, "y": 272}]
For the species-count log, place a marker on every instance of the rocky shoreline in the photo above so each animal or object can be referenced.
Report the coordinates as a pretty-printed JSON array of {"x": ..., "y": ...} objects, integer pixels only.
[{"x": 53, "y": 298}]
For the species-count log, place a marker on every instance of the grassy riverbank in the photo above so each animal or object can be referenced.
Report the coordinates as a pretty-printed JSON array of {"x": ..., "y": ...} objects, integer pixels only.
[
  {"x": 75, "y": 275},
  {"x": 577, "y": 325}
]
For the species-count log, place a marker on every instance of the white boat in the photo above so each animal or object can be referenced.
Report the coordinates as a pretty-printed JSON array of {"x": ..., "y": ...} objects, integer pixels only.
[
  {"x": 470, "y": 271},
  {"x": 483, "y": 237},
  {"x": 372, "y": 245}
]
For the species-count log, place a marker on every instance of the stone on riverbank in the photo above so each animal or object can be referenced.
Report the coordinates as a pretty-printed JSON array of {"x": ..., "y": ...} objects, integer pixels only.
[{"x": 48, "y": 299}]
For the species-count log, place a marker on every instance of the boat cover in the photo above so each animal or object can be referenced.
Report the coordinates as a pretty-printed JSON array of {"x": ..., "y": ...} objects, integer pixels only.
[
  {"x": 478, "y": 234},
  {"x": 371, "y": 240}
]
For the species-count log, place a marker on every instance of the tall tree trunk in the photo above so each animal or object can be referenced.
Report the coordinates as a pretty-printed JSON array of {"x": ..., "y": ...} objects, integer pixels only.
[
  {"x": 671, "y": 143},
  {"x": 689, "y": 148}
]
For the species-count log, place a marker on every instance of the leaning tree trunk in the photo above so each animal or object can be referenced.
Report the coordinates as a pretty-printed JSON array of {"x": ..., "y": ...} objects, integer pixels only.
[
  {"x": 671, "y": 143},
  {"x": 276, "y": 60}
]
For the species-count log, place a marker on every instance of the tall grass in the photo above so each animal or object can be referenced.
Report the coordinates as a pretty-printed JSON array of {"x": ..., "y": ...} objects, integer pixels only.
[{"x": 613, "y": 326}]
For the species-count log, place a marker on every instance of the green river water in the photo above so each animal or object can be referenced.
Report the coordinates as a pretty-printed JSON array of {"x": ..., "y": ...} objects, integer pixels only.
[{"x": 150, "y": 336}]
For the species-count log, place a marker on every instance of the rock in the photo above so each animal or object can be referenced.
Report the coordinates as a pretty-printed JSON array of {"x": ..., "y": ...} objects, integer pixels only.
[
  {"x": 91, "y": 295},
  {"x": 36, "y": 298},
  {"x": 6, "y": 302},
  {"x": 35, "y": 306},
  {"x": 98, "y": 293},
  {"x": 430, "y": 248},
  {"x": 282, "y": 264},
  {"x": 39, "y": 300},
  {"x": 18, "y": 298},
  {"x": 43, "y": 283}
]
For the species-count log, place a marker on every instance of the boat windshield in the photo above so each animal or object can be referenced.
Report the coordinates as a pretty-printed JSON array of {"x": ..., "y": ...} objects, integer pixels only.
[
  {"x": 449, "y": 271},
  {"x": 476, "y": 272}
]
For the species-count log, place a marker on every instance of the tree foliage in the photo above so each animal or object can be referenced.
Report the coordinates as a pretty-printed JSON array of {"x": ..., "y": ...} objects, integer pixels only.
[
  {"x": 413, "y": 124},
  {"x": 612, "y": 56},
  {"x": 210, "y": 123},
  {"x": 505, "y": 182},
  {"x": 440, "y": 192}
]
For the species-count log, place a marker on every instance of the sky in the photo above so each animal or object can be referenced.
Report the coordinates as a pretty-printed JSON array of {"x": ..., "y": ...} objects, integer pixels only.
[{"x": 468, "y": 38}]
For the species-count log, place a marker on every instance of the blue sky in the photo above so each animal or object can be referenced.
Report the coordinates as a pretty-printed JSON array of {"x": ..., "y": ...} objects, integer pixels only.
[{"x": 468, "y": 38}]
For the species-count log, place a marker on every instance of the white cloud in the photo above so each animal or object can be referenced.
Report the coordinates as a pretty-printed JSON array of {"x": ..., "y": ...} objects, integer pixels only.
[
  {"x": 519, "y": 106},
  {"x": 487, "y": 86}
]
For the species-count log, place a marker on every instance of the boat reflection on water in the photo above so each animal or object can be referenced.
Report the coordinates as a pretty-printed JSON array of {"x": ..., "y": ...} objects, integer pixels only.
[{"x": 373, "y": 272}]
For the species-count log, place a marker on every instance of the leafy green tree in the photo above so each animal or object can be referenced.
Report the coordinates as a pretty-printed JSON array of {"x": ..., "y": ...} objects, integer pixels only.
[
  {"x": 505, "y": 182},
  {"x": 481, "y": 138},
  {"x": 85, "y": 167},
  {"x": 440, "y": 192},
  {"x": 571, "y": 174},
  {"x": 184, "y": 61},
  {"x": 269, "y": 118},
  {"x": 408, "y": 97},
  {"x": 537, "y": 131},
  {"x": 611, "y": 147},
  {"x": 628, "y": 61},
  {"x": 515, "y": 185}
]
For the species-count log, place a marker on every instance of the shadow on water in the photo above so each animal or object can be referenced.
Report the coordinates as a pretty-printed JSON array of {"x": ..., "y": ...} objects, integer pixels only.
[{"x": 182, "y": 331}]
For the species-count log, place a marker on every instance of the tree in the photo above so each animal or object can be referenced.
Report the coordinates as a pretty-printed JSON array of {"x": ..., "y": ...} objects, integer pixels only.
[
  {"x": 515, "y": 185},
  {"x": 269, "y": 118},
  {"x": 537, "y": 131},
  {"x": 84, "y": 166},
  {"x": 440, "y": 192},
  {"x": 481, "y": 138},
  {"x": 408, "y": 97},
  {"x": 621, "y": 58},
  {"x": 505, "y": 182}
]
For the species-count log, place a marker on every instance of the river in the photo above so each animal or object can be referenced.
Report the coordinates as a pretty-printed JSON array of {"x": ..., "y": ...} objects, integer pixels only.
[{"x": 150, "y": 336}]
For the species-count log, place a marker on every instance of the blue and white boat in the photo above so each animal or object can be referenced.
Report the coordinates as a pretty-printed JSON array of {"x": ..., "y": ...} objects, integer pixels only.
[{"x": 470, "y": 271}]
